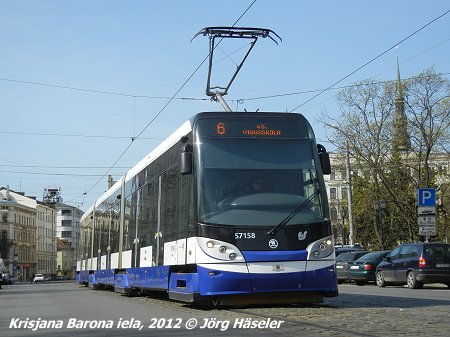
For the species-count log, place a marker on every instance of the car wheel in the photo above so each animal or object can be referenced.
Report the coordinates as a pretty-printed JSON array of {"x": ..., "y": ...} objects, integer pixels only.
[
  {"x": 412, "y": 282},
  {"x": 380, "y": 279}
]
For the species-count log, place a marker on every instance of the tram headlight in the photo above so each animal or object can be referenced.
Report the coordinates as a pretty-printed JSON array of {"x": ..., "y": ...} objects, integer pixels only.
[
  {"x": 321, "y": 248},
  {"x": 218, "y": 250}
]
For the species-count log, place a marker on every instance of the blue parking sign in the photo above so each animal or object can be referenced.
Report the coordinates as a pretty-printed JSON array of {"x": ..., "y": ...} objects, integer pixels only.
[{"x": 426, "y": 197}]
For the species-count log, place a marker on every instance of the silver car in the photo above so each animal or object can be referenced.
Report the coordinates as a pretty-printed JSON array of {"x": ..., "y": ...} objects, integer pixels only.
[{"x": 38, "y": 278}]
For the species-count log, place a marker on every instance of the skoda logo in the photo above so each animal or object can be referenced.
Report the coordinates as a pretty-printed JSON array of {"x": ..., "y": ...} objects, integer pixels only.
[{"x": 273, "y": 243}]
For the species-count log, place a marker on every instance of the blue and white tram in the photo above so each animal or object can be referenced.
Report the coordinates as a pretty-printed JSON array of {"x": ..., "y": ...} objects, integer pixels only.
[{"x": 188, "y": 220}]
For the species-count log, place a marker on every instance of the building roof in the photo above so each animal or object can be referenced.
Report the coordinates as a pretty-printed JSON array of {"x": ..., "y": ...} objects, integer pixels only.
[{"x": 17, "y": 198}]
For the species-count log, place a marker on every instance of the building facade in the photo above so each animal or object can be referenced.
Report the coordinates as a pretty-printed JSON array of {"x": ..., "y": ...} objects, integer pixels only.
[
  {"x": 65, "y": 259},
  {"x": 18, "y": 234},
  {"x": 337, "y": 185},
  {"x": 68, "y": 228},
  {"x": 45, "y": 240}
]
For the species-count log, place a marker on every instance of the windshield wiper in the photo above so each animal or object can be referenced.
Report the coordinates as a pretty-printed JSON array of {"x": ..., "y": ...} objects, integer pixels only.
[{"x": 285, "y": 221}]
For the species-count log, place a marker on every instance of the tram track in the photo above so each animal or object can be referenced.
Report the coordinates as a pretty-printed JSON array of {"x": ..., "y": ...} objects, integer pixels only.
[
  {"x": 348, "y": 315},
  {"x": 311, "y": 328},
  {"x": 302, "y": 325}
]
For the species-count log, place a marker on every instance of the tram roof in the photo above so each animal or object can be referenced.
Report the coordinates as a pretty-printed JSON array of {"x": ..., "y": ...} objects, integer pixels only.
[
  {"x": 160, "y": 149},
  {"x": 185, "y": 128},
  {"x": 87, "y": 213}
]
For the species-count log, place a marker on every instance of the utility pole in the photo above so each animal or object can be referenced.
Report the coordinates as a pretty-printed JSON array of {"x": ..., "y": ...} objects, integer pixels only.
[{"x": 349, "y": 198}]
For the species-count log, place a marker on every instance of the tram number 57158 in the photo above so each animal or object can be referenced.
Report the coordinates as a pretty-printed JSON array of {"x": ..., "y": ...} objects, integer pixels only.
[{"x": 244, "y": 236}]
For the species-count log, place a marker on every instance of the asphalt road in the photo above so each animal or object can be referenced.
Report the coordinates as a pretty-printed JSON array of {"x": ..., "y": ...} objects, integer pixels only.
[{"x": 30, "y": 309}]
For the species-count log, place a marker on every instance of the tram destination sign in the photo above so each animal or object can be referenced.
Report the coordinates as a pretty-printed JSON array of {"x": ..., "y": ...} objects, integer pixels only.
[{"x": 253, "y": 128}]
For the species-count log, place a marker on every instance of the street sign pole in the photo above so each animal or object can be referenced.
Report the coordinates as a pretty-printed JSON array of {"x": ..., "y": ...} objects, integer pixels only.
[{"x": 426, "y": 212}]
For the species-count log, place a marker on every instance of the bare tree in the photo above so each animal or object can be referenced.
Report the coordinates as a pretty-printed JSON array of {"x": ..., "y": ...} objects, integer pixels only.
[
  {"x": 428, "y": 110},
  {"x": 365, "y": 126}
]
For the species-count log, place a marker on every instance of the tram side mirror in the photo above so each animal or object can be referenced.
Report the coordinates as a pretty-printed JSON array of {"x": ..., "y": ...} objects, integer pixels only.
[
  {"x": 324, "y": 159},
  {"x": 186, "y": 160}
]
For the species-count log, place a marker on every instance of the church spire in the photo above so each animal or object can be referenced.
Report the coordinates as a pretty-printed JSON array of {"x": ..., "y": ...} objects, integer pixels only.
[{"x": 401, "y": 141}]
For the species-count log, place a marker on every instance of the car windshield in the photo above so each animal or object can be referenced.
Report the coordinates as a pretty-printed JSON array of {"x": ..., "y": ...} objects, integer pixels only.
[{"x": 246, "y": 182}]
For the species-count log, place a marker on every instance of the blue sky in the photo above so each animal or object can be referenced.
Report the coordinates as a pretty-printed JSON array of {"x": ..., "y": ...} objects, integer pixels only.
[{"x": 72, "y": 70}]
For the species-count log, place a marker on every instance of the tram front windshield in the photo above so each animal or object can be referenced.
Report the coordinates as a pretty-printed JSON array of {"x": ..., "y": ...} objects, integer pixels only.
[{"x": 258, "y": 182}]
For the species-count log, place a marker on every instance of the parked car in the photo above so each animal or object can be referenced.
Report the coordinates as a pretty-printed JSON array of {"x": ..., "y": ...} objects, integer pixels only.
[
  {"x": 342, "y": 263},
  {"x": 38, "y": 278},
  {"x": 363, "y": 269},
  {"x": 8, "y": 279},
  {"x": 415, "y": 264},
  {"x": 340, "y": 249}
]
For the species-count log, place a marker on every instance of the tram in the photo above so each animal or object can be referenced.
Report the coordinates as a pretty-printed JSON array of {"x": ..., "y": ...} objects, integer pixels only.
[{"x": 188, "y": 220}]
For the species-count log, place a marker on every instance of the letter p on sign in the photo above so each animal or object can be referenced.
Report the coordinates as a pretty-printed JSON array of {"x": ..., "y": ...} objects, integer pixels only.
[{"x": 426, "y": 197}]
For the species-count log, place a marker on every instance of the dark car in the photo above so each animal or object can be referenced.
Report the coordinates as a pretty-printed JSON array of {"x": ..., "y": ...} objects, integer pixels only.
[
  {"x": 415, "y": 264},
  {"x": 363, "y": 269},
  {"x": 342, "y": 262},
  {"x": 339, "y": 249}
]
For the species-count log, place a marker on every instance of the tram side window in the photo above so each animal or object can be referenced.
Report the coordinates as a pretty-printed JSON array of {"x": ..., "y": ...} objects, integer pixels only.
[
  {"x": 132, "y": 225},
  {"x": 186, "y": 207},
  {"x": 114, "y": 231},
  {"x": 88, "y": 242},
  {"x": 105, "y": 234},
  {"x": 144, "y": 228},
  {"x": 169, "y": 210},
  {"x": 151, "y": 202},
  {"x": 126, "y": 229},
  {"x": 96, "y": 235}
]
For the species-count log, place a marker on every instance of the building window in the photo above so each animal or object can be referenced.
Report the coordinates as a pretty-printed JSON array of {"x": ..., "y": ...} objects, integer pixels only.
[
  {"x": 66, "y": 212},
  {"x": 344, "y": 192},
  {"x": 66, "y": 234},
  {"x": 67, "y": 223},
  {"x": 333, "y": 214},
  {"x": 332, "y": 175},
  {"x": 333, "y": 193}
]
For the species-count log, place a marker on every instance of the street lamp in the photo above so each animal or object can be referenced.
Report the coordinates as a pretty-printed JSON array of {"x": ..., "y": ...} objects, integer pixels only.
[
  {"x": 349, "y": 197},
  {"x": 443, "y": 211},
  {"x": 379, "y": 206}
]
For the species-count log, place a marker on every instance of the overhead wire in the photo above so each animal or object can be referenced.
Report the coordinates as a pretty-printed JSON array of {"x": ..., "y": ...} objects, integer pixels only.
[
  {"x": 320, "y": 90},
  {"x": 173, "y": 97},
  {"x": 54, "y": 174},
  {"x": 74, "y": 135},
  {"x": 373, "y": 59},
  {"x": 162, "y": 109},
  {"x": 101, "y": 91},
  {"x": 65, "y": 167}
]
